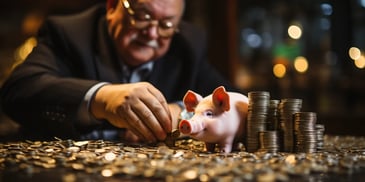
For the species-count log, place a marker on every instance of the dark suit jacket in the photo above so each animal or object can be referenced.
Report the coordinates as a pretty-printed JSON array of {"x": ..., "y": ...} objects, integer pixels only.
[{"x": 74, "y": 53}]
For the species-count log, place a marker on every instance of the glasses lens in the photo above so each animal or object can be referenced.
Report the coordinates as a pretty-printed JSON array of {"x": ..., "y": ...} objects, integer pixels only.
[
  {"x": 162, "y": 30},
  {"x": 143, "y": 21},
  {"x": 140, "y": 24},
  {"x": 165, "y": 32}
]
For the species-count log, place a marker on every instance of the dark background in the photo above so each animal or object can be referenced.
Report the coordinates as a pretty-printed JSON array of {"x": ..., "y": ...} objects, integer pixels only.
[{"x": 333, "y": 86}]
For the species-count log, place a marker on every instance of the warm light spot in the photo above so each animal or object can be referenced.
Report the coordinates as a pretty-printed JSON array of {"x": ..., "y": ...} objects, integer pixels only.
[
  {"x": 301, "y": 64},
  {"x": 190, "y": 174},
  {"x": 279, "y": 70},
  {"x": 27, "y": 47},
  {"x": 360, "y": 63},
  {"x": 107, "y": 173},
  {"x": 24, "y": 50},
  {"x": 290, "y": 160},
  {"x": 31, "y": 23},
  {"x": 354, "y": 53},
  {"x": 110, "y": 156},
  {"x": 204, "y": 177},
  {"x": 69, "y": 178},
  {"x": 81, "y": 143},
  {"x": 294, "y": 32}
]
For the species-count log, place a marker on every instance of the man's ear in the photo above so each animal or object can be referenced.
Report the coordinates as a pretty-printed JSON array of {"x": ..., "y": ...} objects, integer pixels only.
[
  {"x": 191, "y": 100},
  {"x": 221, "y": 98}
]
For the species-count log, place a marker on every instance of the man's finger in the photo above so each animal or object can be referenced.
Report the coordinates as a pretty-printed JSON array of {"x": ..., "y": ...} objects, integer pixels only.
[
  {"x": 149, "y": 119},
  {"x": 160, "y": 109},
  {"x": 136, "y": 125}
]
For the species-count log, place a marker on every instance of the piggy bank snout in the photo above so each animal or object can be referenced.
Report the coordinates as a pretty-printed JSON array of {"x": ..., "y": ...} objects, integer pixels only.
[
  {"x": 185, "y": 127},
  {"x": 191, "y": 126}
]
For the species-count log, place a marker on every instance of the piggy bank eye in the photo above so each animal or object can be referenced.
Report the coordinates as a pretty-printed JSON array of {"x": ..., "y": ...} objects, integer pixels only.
[{"x": 208, "y": 113}]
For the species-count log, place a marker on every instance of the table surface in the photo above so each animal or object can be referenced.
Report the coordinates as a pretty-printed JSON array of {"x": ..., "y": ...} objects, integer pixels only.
[{"x": 341, "y": 159}]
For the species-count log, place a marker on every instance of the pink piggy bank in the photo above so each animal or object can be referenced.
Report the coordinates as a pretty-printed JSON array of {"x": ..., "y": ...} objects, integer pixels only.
[{"x": 218, "y": 118}]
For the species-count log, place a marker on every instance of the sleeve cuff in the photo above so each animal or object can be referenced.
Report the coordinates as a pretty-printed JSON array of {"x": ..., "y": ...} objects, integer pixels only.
[{"x": 84, "y": 116}]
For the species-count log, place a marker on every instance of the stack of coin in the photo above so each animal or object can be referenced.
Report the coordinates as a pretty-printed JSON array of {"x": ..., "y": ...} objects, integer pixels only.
[
  {"x": 305, "y": 132},
  {"x": 258, "y": 109},
  {"x": 269, "y": 141},
  {"x": 287, "y": 107},
  {"x": 273, "y": 115},
  {"x": 320, "y": 136}
]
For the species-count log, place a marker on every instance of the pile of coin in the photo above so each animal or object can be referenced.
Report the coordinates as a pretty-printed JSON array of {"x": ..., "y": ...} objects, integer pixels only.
[{"x": 187, "y": 161}]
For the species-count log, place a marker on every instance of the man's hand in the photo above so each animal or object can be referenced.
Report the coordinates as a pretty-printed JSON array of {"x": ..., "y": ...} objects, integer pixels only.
[{"x": 139, "y": 107}]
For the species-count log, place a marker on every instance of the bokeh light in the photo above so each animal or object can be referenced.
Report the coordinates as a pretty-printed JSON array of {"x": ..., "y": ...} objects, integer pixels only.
[
  {"x": 354, "y": 53},
  {"x": 360, "y": 63},
  {"x": 301, "y": 64},
  {"x": 279, "y": 70},
  {"x": 294, "y": 32},
  {"x": 107, "y": 172}
]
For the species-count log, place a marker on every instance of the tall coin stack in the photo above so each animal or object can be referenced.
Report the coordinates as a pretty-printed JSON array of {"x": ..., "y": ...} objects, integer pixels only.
[
  {"x": 320, "y": 136},
  {"x": 287, "y": 107},
  {"x": 258, "y": 109},
  {"x": 273, "y": 116},
  {"x": 305, "y": 132}
]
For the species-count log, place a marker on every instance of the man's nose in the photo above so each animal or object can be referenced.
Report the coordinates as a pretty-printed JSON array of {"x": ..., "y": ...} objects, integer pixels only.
[{"x": 152, "y": 30}]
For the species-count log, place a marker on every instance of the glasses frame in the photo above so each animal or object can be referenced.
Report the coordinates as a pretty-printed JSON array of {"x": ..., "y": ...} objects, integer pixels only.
[{"x": 170, "y": 26}]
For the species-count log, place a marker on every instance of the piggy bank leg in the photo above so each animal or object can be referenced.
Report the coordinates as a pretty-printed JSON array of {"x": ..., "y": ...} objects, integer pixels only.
[
  {"x": 210, "y": 146},
  {"x": 225, "y": 148},
  {"x": 226, "y": 145}
]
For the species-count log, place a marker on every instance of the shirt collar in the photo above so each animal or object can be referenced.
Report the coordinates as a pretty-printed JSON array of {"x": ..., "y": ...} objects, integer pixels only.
[{"x": 137, "y": 74}]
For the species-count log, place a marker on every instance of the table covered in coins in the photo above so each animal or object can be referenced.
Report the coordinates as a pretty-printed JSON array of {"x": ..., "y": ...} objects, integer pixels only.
[{"x": 341, "y": 159}]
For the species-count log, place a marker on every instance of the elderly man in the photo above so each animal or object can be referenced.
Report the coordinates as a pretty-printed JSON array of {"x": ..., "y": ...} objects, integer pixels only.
[{"x": 110, "y": 69}]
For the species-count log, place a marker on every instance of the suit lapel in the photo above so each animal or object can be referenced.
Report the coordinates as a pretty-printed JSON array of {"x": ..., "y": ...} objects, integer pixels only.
[{"x": 108, "y": 64}]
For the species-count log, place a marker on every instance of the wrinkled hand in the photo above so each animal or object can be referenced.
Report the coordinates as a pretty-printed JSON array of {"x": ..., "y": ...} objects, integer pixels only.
[{"x": 139, "y": 107}]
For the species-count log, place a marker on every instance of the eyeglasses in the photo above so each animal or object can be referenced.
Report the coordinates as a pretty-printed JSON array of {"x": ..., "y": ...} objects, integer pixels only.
[{"x": 143, "y": 20}]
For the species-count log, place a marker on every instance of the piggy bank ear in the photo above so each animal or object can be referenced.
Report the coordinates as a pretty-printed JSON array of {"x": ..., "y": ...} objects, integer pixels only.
[
  {"x": 191, "y": 100},
  {"x": 221, "y": 98}
]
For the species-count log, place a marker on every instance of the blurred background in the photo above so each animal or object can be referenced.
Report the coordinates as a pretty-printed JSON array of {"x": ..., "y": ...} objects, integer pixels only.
[{"x": 307, "y": 49}]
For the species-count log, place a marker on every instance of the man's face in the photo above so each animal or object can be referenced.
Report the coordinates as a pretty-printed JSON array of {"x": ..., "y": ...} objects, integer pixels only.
[{"x": 140, "y": 44}]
